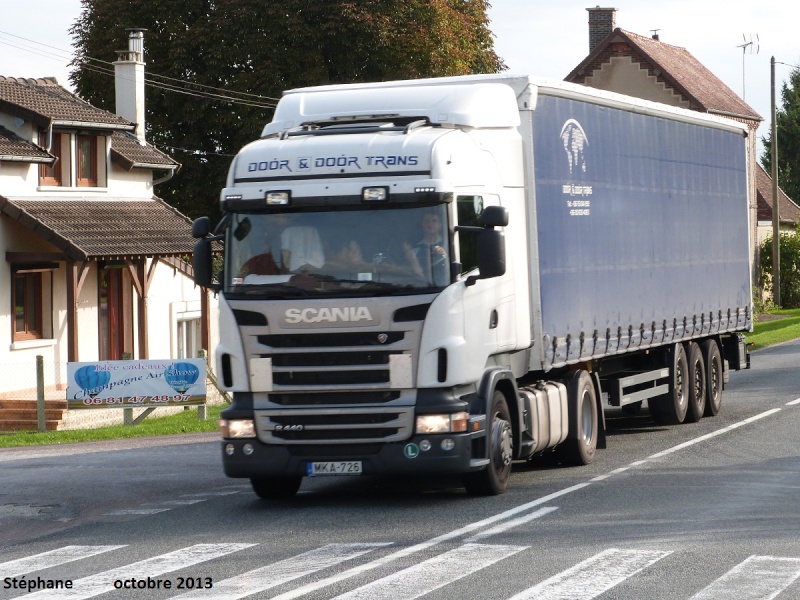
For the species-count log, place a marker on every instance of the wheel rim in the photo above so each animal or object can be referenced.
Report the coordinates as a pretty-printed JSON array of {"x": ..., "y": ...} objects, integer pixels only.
[
  {"x": 698, "y": 381},
  {"x": 502, "y": 442},
  {"x": 714, "y": 384},
  {"x": 587, "y": 419},
  {"x": 679, "y": 395}
]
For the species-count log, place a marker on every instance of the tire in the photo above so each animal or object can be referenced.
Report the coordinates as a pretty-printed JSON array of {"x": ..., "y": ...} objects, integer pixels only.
[
  {"x": 714, "y": 381},
  {"x": 671, "y": 408},
  {"x": 276, "y": 488},
  {"x": 493, "y": 479},
  {"x": 696, "y": 373},
  {"x": 581, "y": 444}
]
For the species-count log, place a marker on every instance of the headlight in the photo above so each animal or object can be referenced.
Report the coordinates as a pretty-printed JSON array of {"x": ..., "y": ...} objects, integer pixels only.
[
  {"x": 237, "y": 428},
  {"x": 450, "y": 423}
]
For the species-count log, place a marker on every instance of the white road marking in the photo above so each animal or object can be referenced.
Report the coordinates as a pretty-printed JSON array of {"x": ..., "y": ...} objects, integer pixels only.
[
  {"x": 312, "y": 587},
  {"x": 793, "y": 402},
  {"x": 433, "y": 573},
  {"x": 757, "y": 578},
  {"x": 503, "y": 527},
  {"x": 593, "y": 576},
  {"x": 282, "y": 571},
  {"x": 101, "y": 583},
  {"x": 136, "y": 511},
  {"x": 714, "y": 434},
  {"x": 52, "y": 558}
]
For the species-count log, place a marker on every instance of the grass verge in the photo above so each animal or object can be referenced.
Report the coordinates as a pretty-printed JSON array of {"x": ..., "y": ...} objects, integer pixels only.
[
  {"x": 183, "y": 422},
  {"x": 774, "y": 331},
  {"x": 765, "y": 333}
]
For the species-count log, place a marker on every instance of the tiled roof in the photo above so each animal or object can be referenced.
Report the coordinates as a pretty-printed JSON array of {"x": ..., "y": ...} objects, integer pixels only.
[
  {"x": 107, "y": 229},
  {"x": 789, "y": 211},
  {"x": 14, "y": 148},
  {"x": 128, "y": 153},
  {"x": 44, "y": 100},
  {"x": 675, "y": 66}
]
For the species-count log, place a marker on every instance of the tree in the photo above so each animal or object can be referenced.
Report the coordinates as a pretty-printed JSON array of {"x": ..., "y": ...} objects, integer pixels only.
[
  {"x": 260, "y": 48},
  {"x": 788, "y": 132},
  {"x": 789, "y": 267}
]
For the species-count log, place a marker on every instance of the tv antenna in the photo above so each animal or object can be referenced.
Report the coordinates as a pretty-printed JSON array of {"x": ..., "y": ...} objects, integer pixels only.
[{"x": 748, "y": 47}]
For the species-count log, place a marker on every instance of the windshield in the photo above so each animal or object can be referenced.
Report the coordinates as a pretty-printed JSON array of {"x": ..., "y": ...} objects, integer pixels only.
[{"x": 346, "y": 252}]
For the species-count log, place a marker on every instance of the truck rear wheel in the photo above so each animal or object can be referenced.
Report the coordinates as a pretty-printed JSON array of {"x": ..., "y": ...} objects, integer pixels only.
[
  {"x": 276, "y": 488},
  {"x": 671, "y": 408},
  {"x": 493, "y": 479},
  {"x": 581, "y": 443},
  {"x": 713, "y": 360},
  {"x": 697, "y": 382}
]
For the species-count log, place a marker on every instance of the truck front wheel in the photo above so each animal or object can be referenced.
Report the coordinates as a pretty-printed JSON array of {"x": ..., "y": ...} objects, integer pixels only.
[
  {"x": 276, "y": 488},
  {"x": 493, "y": 479}
]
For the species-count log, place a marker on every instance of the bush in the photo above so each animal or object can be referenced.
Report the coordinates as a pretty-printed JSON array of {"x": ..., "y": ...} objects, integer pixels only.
[{"x": 789, "y": 268}]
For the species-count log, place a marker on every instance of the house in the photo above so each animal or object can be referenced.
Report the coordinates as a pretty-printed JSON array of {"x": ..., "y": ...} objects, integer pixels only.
[
  {"x": 788, "y": 210},
  {"x": 92, "y": 260},
  {"x": 647, "y": 68}
]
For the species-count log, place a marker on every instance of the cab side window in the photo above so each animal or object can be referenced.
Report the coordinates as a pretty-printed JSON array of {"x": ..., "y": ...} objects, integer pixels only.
[{"x": 469, "y": 210}]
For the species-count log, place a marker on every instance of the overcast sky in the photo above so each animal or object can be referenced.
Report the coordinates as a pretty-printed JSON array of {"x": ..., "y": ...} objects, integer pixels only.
[{"x": 545, "y": 38}]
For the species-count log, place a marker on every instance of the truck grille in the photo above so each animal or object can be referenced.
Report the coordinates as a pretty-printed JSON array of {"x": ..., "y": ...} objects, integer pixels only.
[{"x": 326, "y": 426}]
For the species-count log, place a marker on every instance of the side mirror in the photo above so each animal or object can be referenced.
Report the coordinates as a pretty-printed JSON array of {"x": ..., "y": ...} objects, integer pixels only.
[
  {"x": 202, "y": 264},
  {"x": 201, "y": 227},
  {"x": 491, "y": 255},
  {"x": 494, "y": 216}
]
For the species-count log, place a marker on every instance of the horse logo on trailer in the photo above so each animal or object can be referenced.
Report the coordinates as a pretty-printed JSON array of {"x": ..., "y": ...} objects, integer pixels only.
[{"x": 575, "y": 141}]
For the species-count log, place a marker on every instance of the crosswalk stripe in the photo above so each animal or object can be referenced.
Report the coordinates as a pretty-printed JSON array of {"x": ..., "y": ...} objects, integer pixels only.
[
  {"x": 592, "y": 577},
  {"x": 511, "y": 524},
  {"x": 52, "y": 558},
  {"x": 101, "y": 583},
  {"x": 433, "y": 573},
  {"x": 758, "y": 577},
  {"x": 136, "y": 511},
  {"x": 280, "y": 572}
]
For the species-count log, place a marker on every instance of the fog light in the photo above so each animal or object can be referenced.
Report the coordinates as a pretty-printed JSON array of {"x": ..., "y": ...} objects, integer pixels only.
[
  {"x": 425, "y": 445},
  {"x": 229, "y": 449},
  {"x": 248, "y": 449},
  {"x": 448, "y": 444}
]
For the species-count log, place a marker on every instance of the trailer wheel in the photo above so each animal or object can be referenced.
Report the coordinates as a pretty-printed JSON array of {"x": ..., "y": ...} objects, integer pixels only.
[
  {"x": 493, "y": 479},
  {"x": 713, "y": 360},
  {"x": 276, "y": 488},
  {"x": 671, "y": 408},
  {"x": 697, "y": 382},
  {"x": 581, "y": 443}
]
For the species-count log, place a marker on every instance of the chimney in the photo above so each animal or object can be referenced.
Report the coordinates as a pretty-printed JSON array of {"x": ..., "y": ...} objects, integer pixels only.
[
  {"x": 129, "y": 81},
  {"x": 602, "y": 21}
]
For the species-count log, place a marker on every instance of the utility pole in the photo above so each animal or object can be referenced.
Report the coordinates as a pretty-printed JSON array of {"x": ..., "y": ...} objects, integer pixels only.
[{"x": 776, "y": 223}]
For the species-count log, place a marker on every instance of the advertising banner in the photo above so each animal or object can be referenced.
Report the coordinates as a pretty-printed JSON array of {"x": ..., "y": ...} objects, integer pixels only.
[{"x": 136, "y": 383}]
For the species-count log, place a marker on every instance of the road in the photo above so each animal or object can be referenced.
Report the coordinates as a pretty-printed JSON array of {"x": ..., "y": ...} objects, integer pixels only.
[{"x": 702, "y": 511}]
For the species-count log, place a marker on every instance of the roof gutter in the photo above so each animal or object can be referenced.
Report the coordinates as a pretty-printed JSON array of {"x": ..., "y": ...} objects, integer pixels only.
[
  {"x": 89, "y": 125},
  {"x": 170, "y": 174},
  {"x": 732, "y": 115}
]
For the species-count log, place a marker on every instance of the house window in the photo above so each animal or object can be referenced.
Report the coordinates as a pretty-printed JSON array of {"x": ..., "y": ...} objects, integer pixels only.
[
  {"x": 51, "y": 174},
  {"x": 27, "y": 294},
  {"x": 87, "y": 161},
  {"x": 189, "y": 340}
]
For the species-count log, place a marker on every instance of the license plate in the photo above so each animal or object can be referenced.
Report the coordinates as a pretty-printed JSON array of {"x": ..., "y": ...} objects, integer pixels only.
[{"x": 352, "y": 467}]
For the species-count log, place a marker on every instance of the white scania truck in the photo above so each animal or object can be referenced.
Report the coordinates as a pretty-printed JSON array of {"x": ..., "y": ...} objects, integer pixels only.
[{"x": 444, "y": 276}]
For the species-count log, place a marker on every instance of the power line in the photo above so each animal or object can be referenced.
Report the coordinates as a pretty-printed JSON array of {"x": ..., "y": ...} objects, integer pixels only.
[{"x": 151, "y": 79}]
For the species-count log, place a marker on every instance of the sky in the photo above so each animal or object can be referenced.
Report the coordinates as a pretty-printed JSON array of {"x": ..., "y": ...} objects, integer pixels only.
[{"x": 734, "y": 39}]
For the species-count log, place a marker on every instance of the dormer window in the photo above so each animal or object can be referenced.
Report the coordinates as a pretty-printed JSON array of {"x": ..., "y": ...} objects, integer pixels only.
[
  {"x": 51, "y": 174},
  {"x": 87, "y": 161},
  {"x": 80, "y": 160}
]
